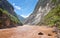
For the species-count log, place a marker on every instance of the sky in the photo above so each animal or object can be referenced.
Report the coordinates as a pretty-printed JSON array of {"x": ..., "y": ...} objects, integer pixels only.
[{"x": 23, "y": 7}]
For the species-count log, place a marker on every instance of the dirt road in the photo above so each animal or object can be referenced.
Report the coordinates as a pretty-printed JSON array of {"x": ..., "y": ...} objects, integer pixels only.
[{"x": 28, "y": 32}]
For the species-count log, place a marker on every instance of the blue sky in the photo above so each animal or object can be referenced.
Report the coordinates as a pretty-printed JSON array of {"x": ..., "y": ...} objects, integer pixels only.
[{"x": 23, "y": 7}]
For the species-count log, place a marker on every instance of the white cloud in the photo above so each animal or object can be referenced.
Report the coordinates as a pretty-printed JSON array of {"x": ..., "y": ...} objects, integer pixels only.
[
  {"x": 16, "y": 7},
  {"x": 24, "y": 16}
]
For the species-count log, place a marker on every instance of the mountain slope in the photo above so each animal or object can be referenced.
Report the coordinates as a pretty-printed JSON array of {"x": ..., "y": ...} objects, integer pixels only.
[
  {"x": 8, "y": 18},
  {"x": 41, "y": 9}
]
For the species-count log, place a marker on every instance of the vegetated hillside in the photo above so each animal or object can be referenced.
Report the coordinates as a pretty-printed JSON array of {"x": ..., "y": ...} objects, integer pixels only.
[
  {"x": 53, "y": 17},
  {"x": 8, "y": 18},
  {"x": 46, "y": 12},
  {"x": 4, "y": 4}
]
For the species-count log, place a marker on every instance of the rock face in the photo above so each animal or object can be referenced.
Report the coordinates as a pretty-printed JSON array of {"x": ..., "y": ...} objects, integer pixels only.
[{"x": 42, "y": 8}]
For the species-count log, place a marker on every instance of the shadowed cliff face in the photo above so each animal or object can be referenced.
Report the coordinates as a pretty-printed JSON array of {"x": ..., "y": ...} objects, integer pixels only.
[
  {"x": 28, "y": 32},
  {"x": 4, "y": 4},
  {"x": 42, "y": 8},
  {"x": 8, "y": 18},
  {"x": 4, "y": 21}
]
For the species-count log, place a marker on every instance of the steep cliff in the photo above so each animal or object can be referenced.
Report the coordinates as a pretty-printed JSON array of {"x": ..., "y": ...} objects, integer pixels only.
[
  {"x": 4, "y": 4},
  {"x": 42, "y": 8},
  {"x": 8, "y": 18}
]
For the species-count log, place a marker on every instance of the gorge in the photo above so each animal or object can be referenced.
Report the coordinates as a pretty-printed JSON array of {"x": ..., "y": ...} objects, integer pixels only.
[{"x": 44, "y": 22}]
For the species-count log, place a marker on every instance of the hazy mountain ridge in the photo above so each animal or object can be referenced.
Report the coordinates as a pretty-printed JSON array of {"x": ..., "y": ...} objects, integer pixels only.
[{"x": 22, "y": 19}]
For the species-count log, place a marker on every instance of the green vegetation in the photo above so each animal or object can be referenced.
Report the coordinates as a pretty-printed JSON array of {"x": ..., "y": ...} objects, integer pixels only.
[
  {"x": 11, "y": 17},
  {"x": 54, "y": 1},
  {"x": 53, "y": 17}
]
